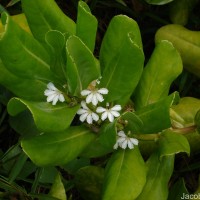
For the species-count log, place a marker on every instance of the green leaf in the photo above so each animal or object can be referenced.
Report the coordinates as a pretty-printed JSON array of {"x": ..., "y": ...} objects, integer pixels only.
[
  {"x": 177, "y": 190},
  {"x": 187, "y": 43},
  {"x": 172, "y": 143},
  {"x": 113, "y": 40},
  {"x": 86, "y": 25},
  {"x": 48, "y": 118},
  {"x": 158, "y": 2},
  {"x": 108, "y": 134},
  {"x": 121, "y": 74},
  {"x": 156, "y": 116},
  {"x": 57, "y": 148},
  {"x": 44, "y": 16},
  {"x": 159, "y": 172},
  {"x": 183, "y": 114},
  {"x": 58, "y": 189},
  {"x": 96, "y": 149},
  {"x": 29, "y": 89},
  {"x": 56, "y": 42},
  {"x": 125, "y": 175},
  {"x": 197, "y": 121},
  {"x": 89, "y": 181},
  {"x": 82, "y": 67},
  {"x": 163, "y": 67},
  {"x": 27, "y": 58}
]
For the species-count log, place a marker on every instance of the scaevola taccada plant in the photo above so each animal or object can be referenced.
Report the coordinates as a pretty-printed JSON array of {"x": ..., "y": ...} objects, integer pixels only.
[{"x": 82, "y": 106}]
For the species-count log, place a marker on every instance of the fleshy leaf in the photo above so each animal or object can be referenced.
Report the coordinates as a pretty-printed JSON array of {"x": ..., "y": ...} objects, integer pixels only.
[
  {"x": 44, "y": 16},
  {"x": 29, "y": 89},
  {"x": 56, "y": 42},
  {"x": 58, "y": 189},
  {"x": 88, "y": 181},
  {"x": 27, "y": 58},
  {"x": 163, "y": 67},
  {"x": 172, "y": 143},
  {"x": 158, "y": 175},
  {"x": 86, "y": 25},
  {"x": 43, "y": 149},
  {"x": 115, "y": 78},
  {"x": 187, "y": 42},
  {"x": 48, "y": 118},
  {"x": 82, "y": 67},
  {"x": 183, "y": 114},
  {"x": 125, "y": 175},
  {"x": 156, "y": 116}
]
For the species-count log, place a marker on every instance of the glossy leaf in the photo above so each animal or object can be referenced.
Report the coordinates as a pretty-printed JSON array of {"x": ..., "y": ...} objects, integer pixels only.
[
  {"x": 172, "y": 143},
  {"x": 88, "y": 181},
  {"x": 27, "y": 58},
  {"x": 116, "y": 32},
  {"x": 44, "y": 16},
  {"x": 56, "y": 42},
  {"x": 115, "y": 78},
  {"x": 125, "y": 175},
  {"x": 48, "y": 118},
  {"x": 58, "y": 189},
  {"x": 187, "y": 42},
  {"x": 82, "y": 68},
  {"x": 183, "y": 114},
  {"x": 43, "y": 149},
  {"x": 158, "y": 2},
  {"x": 156, "y": 116},
  {"x": 86, "y": 25},
  {"x": 163, "y": 67},
  {"x": 29, "y": 89},
  {"x": 159, "y": 172},
  {"x": 108, "y": 134}
]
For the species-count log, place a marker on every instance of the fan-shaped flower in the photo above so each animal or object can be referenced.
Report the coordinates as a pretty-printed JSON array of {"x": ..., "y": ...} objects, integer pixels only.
[
  {"x": 109, "y": 113},
  {"x": 94, "y": 95},
  {"x": 53, "y": 94},
  {"x": 124, "y": 141},
  {"x": 87, "y": 114}
]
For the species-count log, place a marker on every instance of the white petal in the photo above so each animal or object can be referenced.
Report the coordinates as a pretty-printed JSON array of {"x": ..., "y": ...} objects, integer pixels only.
[
  {"x": 61, "y": 98},
  {"x": 121, "y": 139},
  {"x": 94, "y": 100},
  {"x": 103, "y": 91},
  {"x": 55, "y": 100},
  {"x": 124, "y": 144},
  {"x": 89, "y": 98},
  {"x": 81, "y": 111},
  {"x": 130, "y": 145},
  {"x": 110, "y": 117},
  {"x": 83, "y": 104},
  {"x": 89, "y": 119},
  {"x": 116, "y": 145},
  {"x": 116, "y": 108},
  {"x": 99, "y": 97},
  {"x": 104, "y": 116},
  {"x": 49, "y": 92},
  {"x": 51, "y": 97},
  {"x": 85, "y": 92},
  {"x": 134, "y": 141},
  {"x": 100, "y": 110},
  {"x": 83, "y": 117},
  {"x": 115, "y": 113},
  {"x": 95, "y": 116},
  {"x": 51, "y": 86},
  {"x": 121, "y": 134}
]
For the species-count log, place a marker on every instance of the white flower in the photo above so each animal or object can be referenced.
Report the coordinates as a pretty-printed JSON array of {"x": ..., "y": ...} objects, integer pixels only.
[
  {"x": 124, "y": 141},
  {"x": 109, "y": 113},
  {"x": 53, "y": 94},
  {"x": 87, "y": 114},
  {"x": 95, "y": 95}
]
